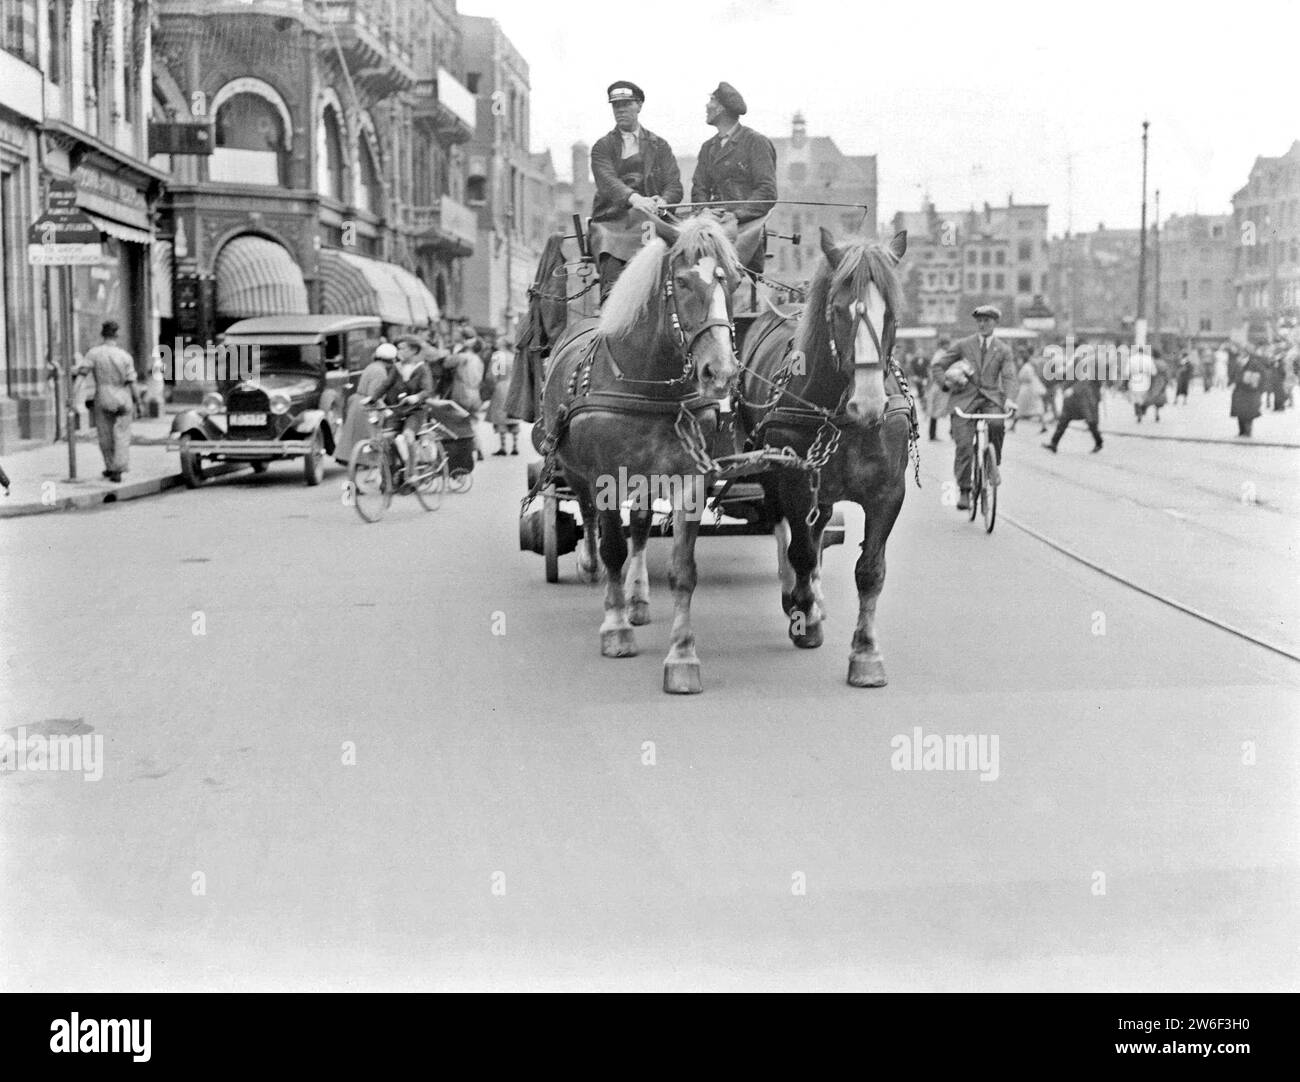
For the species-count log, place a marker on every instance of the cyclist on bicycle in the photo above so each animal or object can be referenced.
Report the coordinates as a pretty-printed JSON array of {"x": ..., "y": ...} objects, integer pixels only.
[
  {"x": 980, "y": 374},
  {"x": 408, "y": 387}
]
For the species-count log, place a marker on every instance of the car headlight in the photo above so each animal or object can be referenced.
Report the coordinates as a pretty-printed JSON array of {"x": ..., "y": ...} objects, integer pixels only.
[
  {"x": 213, "y": 402},
  {"x": 279, "y": 404}
]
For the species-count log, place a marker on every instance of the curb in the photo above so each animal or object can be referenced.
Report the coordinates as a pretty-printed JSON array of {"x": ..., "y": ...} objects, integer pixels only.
[
  {"x": 132, "y": 490},
  {"x": 1200, "y": 439}
]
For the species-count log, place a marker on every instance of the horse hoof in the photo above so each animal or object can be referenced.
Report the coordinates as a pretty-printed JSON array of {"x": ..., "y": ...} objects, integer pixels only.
[
  {"x": 588, "y": 572},
  {"x": 809, "y": 639},
  {"x": 639, "y": 613},
  {"x": 867, "y": 671},
  {"x": 682, "y": 678},
  {"x": 617, "y": 642}
]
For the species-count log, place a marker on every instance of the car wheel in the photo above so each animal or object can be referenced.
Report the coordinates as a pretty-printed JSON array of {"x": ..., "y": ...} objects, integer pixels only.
[
  {"x": 191, "y": 464},
  {"x": 313, "y": 466}
]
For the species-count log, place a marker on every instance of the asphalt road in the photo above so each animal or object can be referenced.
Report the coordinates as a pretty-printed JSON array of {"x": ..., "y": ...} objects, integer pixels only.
[{"x": 502, "y": 826}]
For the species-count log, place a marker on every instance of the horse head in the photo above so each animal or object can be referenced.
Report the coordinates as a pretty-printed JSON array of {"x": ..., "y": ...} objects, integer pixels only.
[
  {"x": 859, "y": 296},
  {"x": 676, "y": 294}
]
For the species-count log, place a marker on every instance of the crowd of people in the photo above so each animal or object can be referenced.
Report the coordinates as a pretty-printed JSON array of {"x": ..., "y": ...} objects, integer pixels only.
[{"x": 1260, "y": 378}]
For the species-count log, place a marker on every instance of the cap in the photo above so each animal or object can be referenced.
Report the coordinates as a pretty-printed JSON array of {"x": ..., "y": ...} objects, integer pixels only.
[
  {"x": 386, "y": 352},
  {"x": 987, "y": 310},
  {"x": 624, "y": 91},
  {"x": 729, "y": 98}
]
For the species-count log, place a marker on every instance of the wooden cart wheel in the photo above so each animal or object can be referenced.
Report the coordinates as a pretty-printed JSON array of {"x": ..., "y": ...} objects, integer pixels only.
[{"x": 551, "y": 533}]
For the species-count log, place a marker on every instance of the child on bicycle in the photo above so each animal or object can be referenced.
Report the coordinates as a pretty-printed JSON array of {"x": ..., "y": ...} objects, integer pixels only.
[
  {"x": 408, "y": 388},
  {"x": 980, "y": 374}
]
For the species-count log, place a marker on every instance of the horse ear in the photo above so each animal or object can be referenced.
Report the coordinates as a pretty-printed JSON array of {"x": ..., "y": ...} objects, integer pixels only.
[
  {"x": 898, "y": 246},
  {"x": 829, "y": 250},
  {"x": 666, "y": 231}
]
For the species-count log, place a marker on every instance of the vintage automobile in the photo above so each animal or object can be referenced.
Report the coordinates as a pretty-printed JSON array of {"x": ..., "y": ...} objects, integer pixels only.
[{"x": 290, "y": 377}]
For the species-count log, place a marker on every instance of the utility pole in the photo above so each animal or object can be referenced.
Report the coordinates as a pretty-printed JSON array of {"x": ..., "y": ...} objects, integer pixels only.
[
  {"x": 1155, "y": 237},
  {"x": 1142, "y": 236}
]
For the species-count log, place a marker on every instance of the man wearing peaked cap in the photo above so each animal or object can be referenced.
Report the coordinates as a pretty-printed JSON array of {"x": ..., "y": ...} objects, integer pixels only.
[
  {"x": 736, "y": 164},
  {"x": 980, "y": 373},
  {"x": 634, "y": 170}
]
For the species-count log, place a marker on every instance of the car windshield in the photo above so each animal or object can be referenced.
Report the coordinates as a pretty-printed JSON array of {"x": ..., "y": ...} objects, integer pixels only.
[{"x": 290, "y": 360}]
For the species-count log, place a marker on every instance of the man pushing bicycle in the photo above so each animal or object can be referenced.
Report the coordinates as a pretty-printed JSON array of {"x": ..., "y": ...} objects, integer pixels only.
[{"x": 980, "y": 374}]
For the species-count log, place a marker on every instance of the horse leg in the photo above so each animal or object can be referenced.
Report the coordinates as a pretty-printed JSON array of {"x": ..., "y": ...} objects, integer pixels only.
[
  {"x": 866, "y": 666},
  {"x": 637, "y": 582},
  {"x": 682, "y": 666},
  {"x": 804, "y": 555},
  {"x": 588, "y": 561},
  {"x": 781, "y": 533},
  {"x": 616, "y": 639}
]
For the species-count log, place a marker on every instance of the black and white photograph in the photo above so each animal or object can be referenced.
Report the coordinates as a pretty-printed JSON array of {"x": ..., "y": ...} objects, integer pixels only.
[{"x": 717, "y": 496}]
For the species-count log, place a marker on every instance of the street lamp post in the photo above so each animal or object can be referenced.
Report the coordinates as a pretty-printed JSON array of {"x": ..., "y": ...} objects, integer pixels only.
[{"x": 1142, "y": 236}]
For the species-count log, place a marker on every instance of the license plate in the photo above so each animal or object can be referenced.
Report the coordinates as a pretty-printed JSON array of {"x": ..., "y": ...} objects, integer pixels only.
[{"x": 248, "y": 419}]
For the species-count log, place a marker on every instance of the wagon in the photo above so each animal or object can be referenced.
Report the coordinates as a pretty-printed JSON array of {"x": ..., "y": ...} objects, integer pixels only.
[{"x": 551, "y": 527}]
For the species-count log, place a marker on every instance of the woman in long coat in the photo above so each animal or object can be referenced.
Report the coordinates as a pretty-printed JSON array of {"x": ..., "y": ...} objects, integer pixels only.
[
  {"x": 356, "y": 423},
  {"x": 936, "y": 398},
  {"x": 1029, "y": 399},
  {"x": 1247, "y": 391}
]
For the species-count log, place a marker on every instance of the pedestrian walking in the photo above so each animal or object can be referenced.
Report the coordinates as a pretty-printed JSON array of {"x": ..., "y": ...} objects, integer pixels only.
[
  {"x": 1079, "y": 403},
  {"x": 1221, "y": 359},
  {"x": 1157, "y": 387},
  {"x": 1281, "y": 392},
  {"x": 502, "y": 368},
  {"x": 467, "y": 379},
  {"x": 117, "y": 397},
  {"x": 1185, "y": 371},
  {"x": 1031, "y": 396},
  {"x": 936, "y": 397},
  {"x": 1247, "y": 392}
]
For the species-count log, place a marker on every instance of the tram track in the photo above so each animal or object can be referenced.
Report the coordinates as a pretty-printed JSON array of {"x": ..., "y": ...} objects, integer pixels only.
[{"x": 1115, "y": 575}]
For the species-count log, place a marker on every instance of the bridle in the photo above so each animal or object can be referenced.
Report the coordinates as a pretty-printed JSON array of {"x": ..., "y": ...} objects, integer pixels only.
[
  {"x": 685, "y": 345},
  {"x": 858, "y": 309}
]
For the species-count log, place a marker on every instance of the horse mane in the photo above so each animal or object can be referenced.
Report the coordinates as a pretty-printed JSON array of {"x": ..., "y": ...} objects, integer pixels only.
[
  {"x": 863, "y": 262},
  {"x": 642, "y": 278}
]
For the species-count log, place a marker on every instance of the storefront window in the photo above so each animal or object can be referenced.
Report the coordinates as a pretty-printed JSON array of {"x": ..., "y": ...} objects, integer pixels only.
[{"x": 250, "y": 138}]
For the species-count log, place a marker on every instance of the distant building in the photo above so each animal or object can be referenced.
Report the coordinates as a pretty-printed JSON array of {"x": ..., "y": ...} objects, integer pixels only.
[
  {"x": 814, "y": 169},
  {"x": 576, "y": 196},
  {"x": 959, "y": 260},
  {"x": 1266, "y": 224},
  {"x": 512, "y": 189},
  {"x": 1197, "y": 264},
  {"x": 1093, "y": 278}
]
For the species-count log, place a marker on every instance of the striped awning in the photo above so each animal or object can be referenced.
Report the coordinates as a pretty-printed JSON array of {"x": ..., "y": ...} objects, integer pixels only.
[
  {"x": 128, "y": 233},
  {"x": 161, "y": 275},
  {"x": 423, "y": 304},
  {"x": 359, "y": 286},
  {"x": 257, "y": 277}
]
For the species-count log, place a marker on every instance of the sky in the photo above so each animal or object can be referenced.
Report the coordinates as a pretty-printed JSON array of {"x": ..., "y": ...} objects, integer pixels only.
[{"x": 969, "y": 102}]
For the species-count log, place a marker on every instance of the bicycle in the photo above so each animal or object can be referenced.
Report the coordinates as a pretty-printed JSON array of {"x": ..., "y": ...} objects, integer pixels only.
[
  {"x": 985, "y": 476},
  {"x": 376, "y": 472}
]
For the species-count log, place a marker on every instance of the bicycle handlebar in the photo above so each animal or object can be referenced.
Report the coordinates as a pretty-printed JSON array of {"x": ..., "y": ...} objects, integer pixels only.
[{"x": 983, "y": 416}]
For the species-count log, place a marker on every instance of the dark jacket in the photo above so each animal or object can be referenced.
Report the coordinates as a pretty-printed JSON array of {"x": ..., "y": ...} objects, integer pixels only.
[
  {"x": 420, "y": 384},
  {"x": 660, "y": 175},
  {"x": 1248, "y": 381},
  {"x": 743, "y": 170}
]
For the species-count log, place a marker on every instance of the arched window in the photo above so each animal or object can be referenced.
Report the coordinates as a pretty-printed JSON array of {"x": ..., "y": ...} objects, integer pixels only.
[
  {"x": 371, "y": 191},
  {"x": 329, "y": 156},
  {"x": 250, "y": 142}
]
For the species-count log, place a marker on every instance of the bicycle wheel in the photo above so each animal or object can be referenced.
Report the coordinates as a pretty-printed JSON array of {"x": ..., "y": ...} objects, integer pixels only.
[
  {"x": 370, "y": 479},
  {"x": 429, "y": 471},
  {"x": 989, "y": 492},
  {"x": 976, "y": 481}
]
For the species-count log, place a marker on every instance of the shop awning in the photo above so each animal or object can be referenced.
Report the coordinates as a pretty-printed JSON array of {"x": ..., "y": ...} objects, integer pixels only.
[
  {"x": 357, "y": 285},
  {"x": 161, "y": 273},
  {"x": 128, "y": 233},
  {"x": 423, "y": 305},
  {"x": 257, "y": 277}
]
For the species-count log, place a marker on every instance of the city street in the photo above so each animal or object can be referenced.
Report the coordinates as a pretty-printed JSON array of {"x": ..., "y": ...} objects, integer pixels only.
[{"x": 390, "y": 756}]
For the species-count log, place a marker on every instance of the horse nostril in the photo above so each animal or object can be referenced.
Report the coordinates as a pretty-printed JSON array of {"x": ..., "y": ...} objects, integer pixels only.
[{"x": 708, "y": 372}]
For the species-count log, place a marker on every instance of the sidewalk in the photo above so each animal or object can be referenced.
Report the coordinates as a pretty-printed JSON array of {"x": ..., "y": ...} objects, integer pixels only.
[
  {"x": 1204, "y": 418},
  {"x": 39, "y": 475}
]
